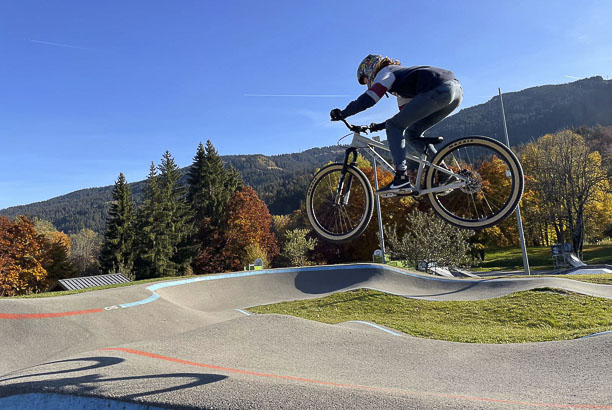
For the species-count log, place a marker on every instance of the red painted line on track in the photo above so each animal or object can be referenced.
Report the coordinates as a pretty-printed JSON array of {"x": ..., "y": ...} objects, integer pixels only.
[
  {"x": 301, "y": 379},
  {"x": 46, "y": 315}
]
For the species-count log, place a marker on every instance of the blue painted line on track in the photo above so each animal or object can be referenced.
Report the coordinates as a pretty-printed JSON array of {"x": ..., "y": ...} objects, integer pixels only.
[
  {"x": 596, "y": 334},
  {"x": 162, "y": 285},
  {"x": 151, "y": 298},
  {"x": 376, "y": 326},
  {"x": 244, "y": 312}
]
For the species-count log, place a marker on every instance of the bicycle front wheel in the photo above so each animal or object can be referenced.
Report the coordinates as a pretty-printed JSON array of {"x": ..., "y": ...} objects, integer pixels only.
[
  {"x": 339, "y": 204},
  {"x": 493, "y": 182}
]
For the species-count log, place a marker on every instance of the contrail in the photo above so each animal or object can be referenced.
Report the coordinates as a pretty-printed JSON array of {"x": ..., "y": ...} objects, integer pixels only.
[
  {"x": 58, "y": 44},
  {"x": 297, "y": 95},
  {"x": 572, "y": 77}
]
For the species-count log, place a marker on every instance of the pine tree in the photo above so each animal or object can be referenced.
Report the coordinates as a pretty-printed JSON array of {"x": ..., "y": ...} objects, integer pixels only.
[
  {"x": 211, "y": 186},
  {"x": 150, "y": 260},
  {"x": 117, "y": 253},
  {"x": 175, "y": 217}
]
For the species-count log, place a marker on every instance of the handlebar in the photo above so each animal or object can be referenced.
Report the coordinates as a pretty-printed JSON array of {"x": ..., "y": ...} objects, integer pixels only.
[{"x": 355, "y": 128}]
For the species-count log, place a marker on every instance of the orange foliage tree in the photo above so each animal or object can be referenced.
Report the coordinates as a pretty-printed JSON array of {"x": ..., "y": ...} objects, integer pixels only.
[
  {"x": 393, "y": 212},
  {"x": 22, "y": 255},
  {"x": 249, "y": 224}
]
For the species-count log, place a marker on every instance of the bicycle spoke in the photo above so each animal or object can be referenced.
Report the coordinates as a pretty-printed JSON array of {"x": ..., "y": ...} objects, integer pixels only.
[
  {"x": 335, "y": 211},
  {"x": 489, "y": 183}
]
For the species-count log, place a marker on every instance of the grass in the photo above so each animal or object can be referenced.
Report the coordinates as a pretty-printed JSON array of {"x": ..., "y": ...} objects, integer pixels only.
[
  {"x": 531, "y": 316},
  {"x": 117, "y": 285},
  {"x": 600, "y": 278},
  {"x": 540, "y": 258}
]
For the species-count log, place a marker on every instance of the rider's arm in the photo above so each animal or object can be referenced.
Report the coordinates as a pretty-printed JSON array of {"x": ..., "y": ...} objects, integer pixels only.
[
  {"x": 383, "y": 81},
  {"x": 362, "y": 103}
]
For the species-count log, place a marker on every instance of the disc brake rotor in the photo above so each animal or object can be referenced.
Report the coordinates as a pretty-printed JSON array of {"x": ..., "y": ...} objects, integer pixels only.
[{"x": 474, "y": 183}]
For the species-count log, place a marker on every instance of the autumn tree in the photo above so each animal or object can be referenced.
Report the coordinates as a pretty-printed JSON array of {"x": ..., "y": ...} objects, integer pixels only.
[
  {"x": 85, "y": 252},
  {"x": 58, "y": 262},
  {"x": 248, "y": 223},
  {"x": 58, "y": 249},
  {"x": 362, "y": 247},
  {"x": 22, "y": 255},
  {"x": 117, "y": 253},
  {"x": 569, "y": 178}
]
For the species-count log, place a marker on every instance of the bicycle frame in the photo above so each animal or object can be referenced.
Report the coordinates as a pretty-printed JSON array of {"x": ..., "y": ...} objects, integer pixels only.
[{"x": 360, "y": 141}]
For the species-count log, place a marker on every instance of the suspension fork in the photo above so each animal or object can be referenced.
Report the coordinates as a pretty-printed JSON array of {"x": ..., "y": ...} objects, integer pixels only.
[{"x": 344, "y": 187}]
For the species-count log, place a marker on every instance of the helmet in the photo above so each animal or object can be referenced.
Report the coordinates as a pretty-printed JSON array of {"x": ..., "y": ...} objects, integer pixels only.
[{"x": 368, "y": 68}]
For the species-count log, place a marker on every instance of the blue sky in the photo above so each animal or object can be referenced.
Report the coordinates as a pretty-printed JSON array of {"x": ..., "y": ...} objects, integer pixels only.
[{"x": 89, "y": 89}]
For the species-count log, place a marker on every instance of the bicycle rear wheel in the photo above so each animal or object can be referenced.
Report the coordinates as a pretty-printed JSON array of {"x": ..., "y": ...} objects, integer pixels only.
[
  {"x": 493, "y": 188},
  {"x": 339, "y": 204}
]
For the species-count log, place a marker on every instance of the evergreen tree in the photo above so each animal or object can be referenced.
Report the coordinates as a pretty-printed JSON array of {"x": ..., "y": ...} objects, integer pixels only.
[
  {"x": 117, "y": 252},
  {"x": 211, "y": 186},
  {"x": 176, "y": 221},
  {"x": 150, "y": 260}
]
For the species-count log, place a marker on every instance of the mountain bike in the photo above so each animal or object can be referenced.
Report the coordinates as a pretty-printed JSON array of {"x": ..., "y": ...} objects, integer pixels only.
[{"x": 473, "y": 182}]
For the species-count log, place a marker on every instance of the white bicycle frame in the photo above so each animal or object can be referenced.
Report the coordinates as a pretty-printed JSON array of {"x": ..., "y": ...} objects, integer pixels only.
[{"x": 363, "y": 142}]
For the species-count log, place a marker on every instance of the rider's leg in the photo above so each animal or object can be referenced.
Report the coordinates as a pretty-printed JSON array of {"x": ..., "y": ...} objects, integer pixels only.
[
  {"x": 420, "y": 114},
  {"x": 416, "y": 117},
  {"x": 416, "y": 130}
]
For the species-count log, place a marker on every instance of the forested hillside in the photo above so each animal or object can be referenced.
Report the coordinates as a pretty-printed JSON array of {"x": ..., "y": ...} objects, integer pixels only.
[
  {"x": 535, "y": 111},
  {"x": 281, "y": 180}
]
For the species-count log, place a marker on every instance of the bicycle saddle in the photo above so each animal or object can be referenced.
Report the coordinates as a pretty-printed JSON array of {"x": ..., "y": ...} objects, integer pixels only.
[{"x": 430, "y": 140}]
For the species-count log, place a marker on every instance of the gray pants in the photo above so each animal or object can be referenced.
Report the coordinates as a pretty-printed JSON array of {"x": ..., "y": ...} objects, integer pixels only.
[{"x": 421, "y": 113}]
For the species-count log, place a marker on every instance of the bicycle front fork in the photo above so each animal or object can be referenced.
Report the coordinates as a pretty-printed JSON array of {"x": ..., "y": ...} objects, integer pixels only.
[{"x": 343, "y": 190}]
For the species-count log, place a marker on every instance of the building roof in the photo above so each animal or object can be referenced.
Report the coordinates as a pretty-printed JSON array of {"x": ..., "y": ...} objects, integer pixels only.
[{"x": 92, "y": 281}]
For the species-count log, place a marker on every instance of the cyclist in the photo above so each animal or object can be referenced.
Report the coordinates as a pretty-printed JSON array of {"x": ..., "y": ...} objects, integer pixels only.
[{"x": 425, "y": 96}]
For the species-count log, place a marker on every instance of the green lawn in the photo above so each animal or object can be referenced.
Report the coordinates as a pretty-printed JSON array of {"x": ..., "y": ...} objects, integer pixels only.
[
  {"x": 599, "y": 278},
  {"x": 540, "y": 258},
  {"x": 532, "y": 316}
]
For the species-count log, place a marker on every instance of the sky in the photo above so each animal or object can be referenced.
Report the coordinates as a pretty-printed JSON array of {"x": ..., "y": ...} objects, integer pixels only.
[{"x": 89, "y": 89}]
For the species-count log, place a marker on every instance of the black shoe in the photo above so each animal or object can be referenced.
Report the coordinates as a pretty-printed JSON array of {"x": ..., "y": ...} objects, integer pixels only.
[{"x": 399, "y": 186}]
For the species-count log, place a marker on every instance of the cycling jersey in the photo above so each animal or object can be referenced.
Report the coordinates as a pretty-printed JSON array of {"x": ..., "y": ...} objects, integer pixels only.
[{"x": 403, "y": 82}]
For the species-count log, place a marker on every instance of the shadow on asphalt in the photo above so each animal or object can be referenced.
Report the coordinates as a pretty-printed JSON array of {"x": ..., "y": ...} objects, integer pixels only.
[
  {"x": 459, "y": 289},
  {"x": 87, "y": 384},
  {"x": 318, "y": 282}
]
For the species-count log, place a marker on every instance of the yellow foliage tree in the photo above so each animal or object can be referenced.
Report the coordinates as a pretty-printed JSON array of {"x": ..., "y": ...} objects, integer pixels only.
[{"x": 22, "y": 255}]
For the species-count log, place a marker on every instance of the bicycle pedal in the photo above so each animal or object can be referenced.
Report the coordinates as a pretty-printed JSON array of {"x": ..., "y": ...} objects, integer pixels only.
[{"x": 387, "y": 194}]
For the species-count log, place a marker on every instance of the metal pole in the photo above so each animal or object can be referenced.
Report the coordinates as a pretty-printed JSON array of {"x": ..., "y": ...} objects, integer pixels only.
[
  {"x": 380, "y": 227},
  {"x": 518, "y": 208}
]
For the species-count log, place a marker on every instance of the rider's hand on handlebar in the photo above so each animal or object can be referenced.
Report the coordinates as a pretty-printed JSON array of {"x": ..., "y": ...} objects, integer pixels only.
[
  {"x": 336, "y": 114},
  {"x": 377, "y": 127}
]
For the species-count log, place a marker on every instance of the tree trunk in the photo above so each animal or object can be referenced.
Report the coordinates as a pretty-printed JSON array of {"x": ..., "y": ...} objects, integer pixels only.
[{"x": 578, "y": 234}]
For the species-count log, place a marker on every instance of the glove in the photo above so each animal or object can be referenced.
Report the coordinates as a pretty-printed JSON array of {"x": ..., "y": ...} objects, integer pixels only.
[
  {"x": 335, "y": 114},
  {"x": 377, "y": 127}
]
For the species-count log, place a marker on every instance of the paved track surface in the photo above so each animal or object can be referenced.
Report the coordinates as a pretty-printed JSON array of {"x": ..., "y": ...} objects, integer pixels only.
[{"x": 190, "y": 344}]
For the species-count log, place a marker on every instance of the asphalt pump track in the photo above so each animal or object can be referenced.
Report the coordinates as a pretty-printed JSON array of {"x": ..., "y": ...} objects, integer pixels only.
[{"x": 192, "y": 343}]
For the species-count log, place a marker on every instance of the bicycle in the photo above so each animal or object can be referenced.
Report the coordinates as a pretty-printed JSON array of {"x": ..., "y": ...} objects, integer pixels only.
[{"x": 473, "y": 182}]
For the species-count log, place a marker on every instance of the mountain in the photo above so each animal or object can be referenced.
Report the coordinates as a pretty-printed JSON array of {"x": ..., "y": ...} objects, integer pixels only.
[
  {"x": 281, "y": 180},
  {"x": 534, "y": 112}
]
